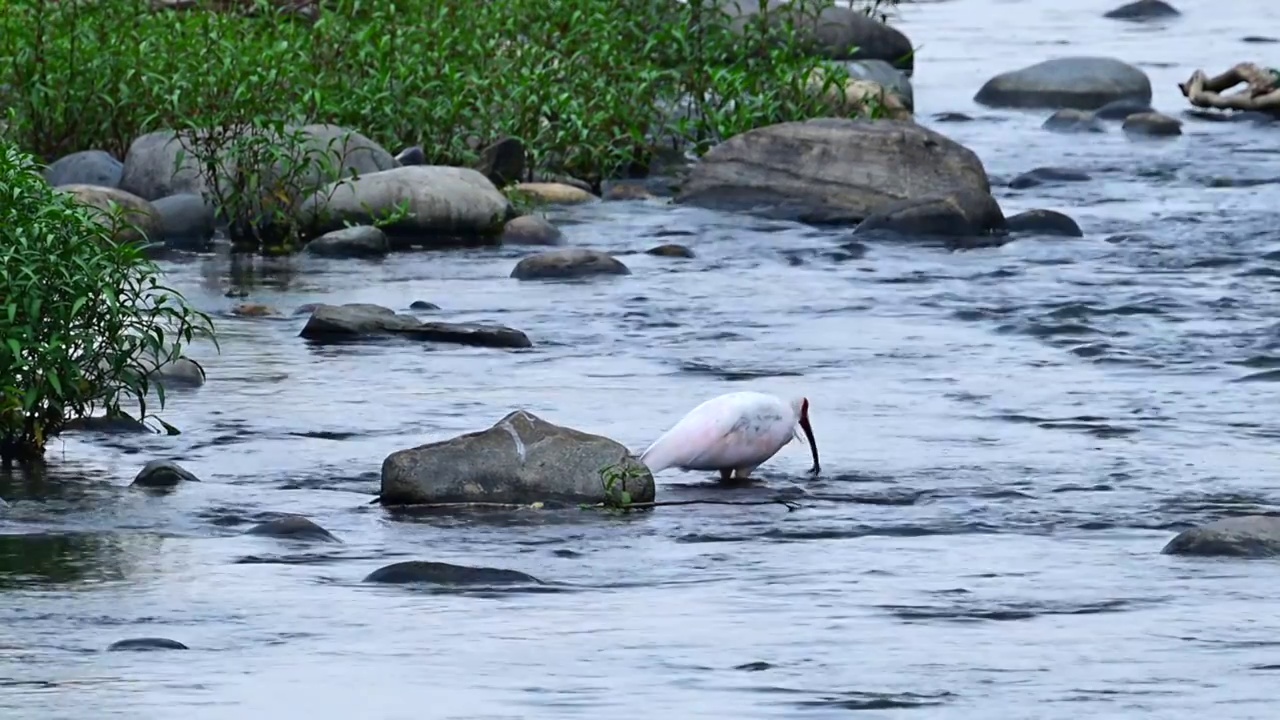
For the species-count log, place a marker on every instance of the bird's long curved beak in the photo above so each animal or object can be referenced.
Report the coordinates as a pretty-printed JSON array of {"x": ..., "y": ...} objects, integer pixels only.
[{"x": 813, "y": 445}]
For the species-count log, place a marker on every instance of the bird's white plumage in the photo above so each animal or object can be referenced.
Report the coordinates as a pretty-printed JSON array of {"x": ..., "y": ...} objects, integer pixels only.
[{"x": 735, "y": 431}]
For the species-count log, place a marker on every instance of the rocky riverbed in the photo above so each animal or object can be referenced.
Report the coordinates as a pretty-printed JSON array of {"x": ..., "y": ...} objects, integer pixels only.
[{"x": 1011, "y": 434}]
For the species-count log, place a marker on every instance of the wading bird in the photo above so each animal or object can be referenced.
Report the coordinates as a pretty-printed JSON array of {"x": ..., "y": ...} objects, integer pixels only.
[{"x": 733, "y": 433}]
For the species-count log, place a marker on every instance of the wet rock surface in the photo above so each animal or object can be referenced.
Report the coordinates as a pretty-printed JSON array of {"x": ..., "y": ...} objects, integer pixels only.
[
  {"x": 438, "y": 573},
  {"x": 520, "y": 459},
  {"x": 1044, "y": 222},
  {"x": 363, "y": 321},
  {"x": 145, "y": 644},
  {"x": 568, "y": 263},
  {"x": 361, "y": 241},
  {"x": 292, "y": 527},
  {"x": 1245, "y": 536},
  {"x": 1079, "y": 82},
  {"x": 163, "y": 474}
]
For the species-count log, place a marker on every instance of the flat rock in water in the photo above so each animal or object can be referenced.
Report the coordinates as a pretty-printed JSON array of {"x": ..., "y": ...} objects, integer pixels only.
[
  {"x": 836, "y": 32},
  {"x": 1142, "y": 10},
  {"x": 356, "y": 321},
  {"x": 361, "y": 241},
  {"x": 1044, "y": 222},
  {"x": 163, "y": 474},
  {"x": 531, "y": 230},
  {"x": 568, "y": 263},
  {"x": 292, "y": 527},
  {"x": 145, "y": 644},
  {"x": 438, "y": 573},
  {"x": 954, "y": 215},
  {"x": 1244, "y": 536},
  {"x": 1073, "y": 121},
  {"x": 1080, "y": 83},
  {"x": 520, "y": 459},
  {"x": 555, "y": 193},
  {"x": 187, "y": 221},
  {"x": 831, "y": 171},
  {"x": 140, "y": 221},
  {"x": 1046, "y": 175},
  {"x": 87, "y": 167},
  {"x": 446, "y": 204}
]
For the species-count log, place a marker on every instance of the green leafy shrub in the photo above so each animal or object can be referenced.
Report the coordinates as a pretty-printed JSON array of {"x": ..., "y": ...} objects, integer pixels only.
[
  {"x": 84, "y": 320},
  {"x": 593, "y": 88}
]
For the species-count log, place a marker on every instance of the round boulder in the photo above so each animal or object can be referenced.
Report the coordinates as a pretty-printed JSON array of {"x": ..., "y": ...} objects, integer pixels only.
[
  {"x": 568, "y": 263},
  {"x": 360, "y": 241},
  {"x": 1044, "y": 222},
  {"x": 1151, "y": 124},
  {"x": 1143, "y": 10},
  {"x": 1243, "y": 536},
  {"x": 1080, "y": 83},
  {"x": 671, "y": 250},
  {"x": 187, "y": 222},
  {"x": 1047, "y": 175},
  {"x": 163, "y": 474},
  {"x": 834, "y": 32},
  {"x": 438, "y": 573},
  {"x": 141, "y": 220},
  {"x": 531, "y": 230},
  {"x": 831, "y": 170},
  {"x": 87, "y": 167},
  {"x": 292, "y": 527}
]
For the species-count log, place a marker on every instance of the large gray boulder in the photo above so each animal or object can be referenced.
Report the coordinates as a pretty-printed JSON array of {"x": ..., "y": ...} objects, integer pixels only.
[
  {"x": 836, "y": 32},
  {"x": 520, "y": 459},
  {"x": 316, "y": 155},
  {"x": 1079, "y": 83},
  {"x": 187, "y": 222},
  {"x": 832, "y": 171},
  {"x": 87, "y": 167},
  {"x": 445, "y": 205},
  {"x": 1242, "y": 536}
]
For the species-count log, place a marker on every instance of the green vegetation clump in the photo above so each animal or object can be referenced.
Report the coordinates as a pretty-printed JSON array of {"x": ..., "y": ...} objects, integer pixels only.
[
  {"x": 84, "y": 320},
  {"x": 593, "y": 88}
]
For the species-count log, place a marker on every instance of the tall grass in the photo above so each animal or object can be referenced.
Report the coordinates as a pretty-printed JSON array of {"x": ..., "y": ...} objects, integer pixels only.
[{"x": 593, "y": 88}]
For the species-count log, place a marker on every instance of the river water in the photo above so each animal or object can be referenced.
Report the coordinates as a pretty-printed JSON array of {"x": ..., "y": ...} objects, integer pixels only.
[{"x": 1009, "y": 436}]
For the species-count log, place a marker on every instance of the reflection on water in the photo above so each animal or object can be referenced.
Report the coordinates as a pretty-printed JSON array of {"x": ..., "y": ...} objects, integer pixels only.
[{"x": 1009, "y": 436}]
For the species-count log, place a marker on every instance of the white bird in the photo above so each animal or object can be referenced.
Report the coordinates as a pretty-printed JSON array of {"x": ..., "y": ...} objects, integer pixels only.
[{"x": 733, "y": 433}]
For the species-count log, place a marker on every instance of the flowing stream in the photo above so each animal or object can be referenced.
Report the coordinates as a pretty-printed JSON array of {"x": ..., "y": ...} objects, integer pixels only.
[{"x": 1008, "y": 436}]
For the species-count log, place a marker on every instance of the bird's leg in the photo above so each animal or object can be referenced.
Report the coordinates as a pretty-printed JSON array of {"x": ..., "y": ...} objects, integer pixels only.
[
  {"x": 743, "y": 473},
  {"x": 726, "y": 474}
]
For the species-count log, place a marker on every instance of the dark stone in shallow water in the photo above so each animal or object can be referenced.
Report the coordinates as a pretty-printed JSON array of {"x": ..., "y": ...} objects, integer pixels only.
[
  {"x": 671, "y": 250},
  {"x": 146, "y": 643},
  {"x": 1073, "y": 121},
  {"x": 952, "y": 117},
  {"x": 963, "y": 214},
  {"x": 1079, "y": 82},
  {"x": 1152, "y": 124},
  {"x": 1043, "y": 175},
  {"x": 423, "y": 305},
  {"x": 355, "y": 321},
  {"x": 438, "y": 573},
  {"x": 1142, "y": 10},
  {"x": 1044, "y": 222},
  {"x": 568, "y": 263},
  {"x": 163, "y": 474},
  {"x": 1244, "y": 536},
  {"x": 1259, "y": 39},
  {"x": 292, "y": 527}
]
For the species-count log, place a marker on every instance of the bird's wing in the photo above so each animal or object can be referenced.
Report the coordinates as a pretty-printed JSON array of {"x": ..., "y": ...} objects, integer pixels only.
[{"x": 708, "y": 435}]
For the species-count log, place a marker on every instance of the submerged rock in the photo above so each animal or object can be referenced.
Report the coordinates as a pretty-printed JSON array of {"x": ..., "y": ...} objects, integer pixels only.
[
  {"x": 1081, "y": 83},
  {"x": 1121, "y": 109},
  {"x": 1044, "y": 222},
  {"x": 139, "y": 219},
  {"x": 1073, "y": 121},
  {"x": 1243, "y": 536},
  {"x": 438, "y": 573},
  {"x": 292, "y": 527},
  {"x": 163, "y": 474},
  {"x": 357, "y": 321},
  {"x": 619, "y": 190},
  {"x": 568, "y": 263},
  {"x": 360, "y": 241},
  {"x": 146, "y": 643},
  {"x": 446, "y": 205},
  {"x": 959, "y": 214},
  {"x": 671, "y": 250},
  {"x": 555, "y": 193},
  {"x": 832, "y": 171},
  {"x": 178, "y": 373},
  {"x": 520, "y": 459},
  {"x": 1045, "y": 175},
  {"x": 87, "y": 167},
  {"x": 531, "y": 230},
  {"x": 1142, "y": 10},
  {"x": 1152, "y": 124},
  {"x": 187, "y": 222},
  {"x": 107, "y": 425}
]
